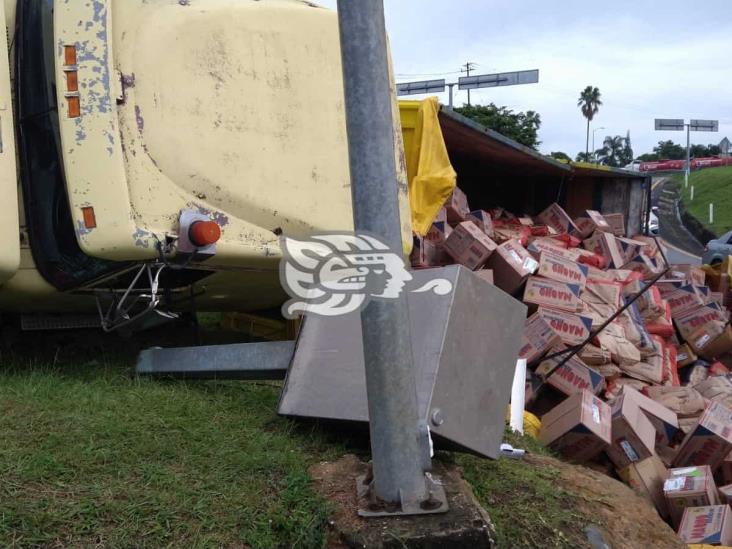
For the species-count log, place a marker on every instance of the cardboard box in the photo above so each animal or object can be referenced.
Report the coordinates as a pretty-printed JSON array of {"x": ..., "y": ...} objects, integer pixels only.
[
  {"x": 646, "y": 477},
  {"x": 664, "y": 421},
  {"x": 551, "y": 293},
  {"x": 683, "y": 300},
  {"x": 456, "y": 207},
  {"x": 482, "y": 220},
  {"x": 710, "y": 441},
  {"x": 438, "y": 233},
  {"x": 538, "y": 337},
  {"x": 539, "y": 245},
  {"x": 616, "y": 222},
  {"x": 511, "y": 264},
  {"x": 562, "y": 270},
  {"x": 573, "y": 329},
  {"x": 724, "y": 471},
  {"x": 642, "y": 264},
  {"x": 689, "y": 487},
  {"x": 504, "y": 233},
  {"x": 424, "y": 254},
  {"x": 685, "y": 356},
  {"x": 548, "y": 328},
  {"x": 578, "y": 428},
  {"x": 441, "y": 216},
  {"x": 629, "y": 248},
  {"x": 591, "y": 221},
  {"x": 633, "y": 434},
  {"x": 725, "y": 494},
  {"x": 555, "y": 217},
  {"x": 573, "y": 376},
  {"x": 485, "y": 274},
  {"x": 711, "y": 341},
  {"x": 469, "y": 246},
  {"x": 709, "y": 525},
  {"x": 606, "y": 245},
  {"x": 691, "y": 274}
]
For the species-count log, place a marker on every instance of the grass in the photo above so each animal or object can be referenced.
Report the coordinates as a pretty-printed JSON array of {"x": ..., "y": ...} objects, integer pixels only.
[
  {"x": 527, "y": 504},
  {"x": 711, "y": 185},
  {"x": 92, "y": 457}
]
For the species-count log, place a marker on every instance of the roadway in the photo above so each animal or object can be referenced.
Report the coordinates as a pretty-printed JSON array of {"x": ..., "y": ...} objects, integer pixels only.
[{"x": 682, "y": 246}]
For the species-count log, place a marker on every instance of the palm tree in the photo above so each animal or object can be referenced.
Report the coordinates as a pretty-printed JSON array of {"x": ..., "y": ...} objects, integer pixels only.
[
  {"x": 589, "y": 103},
  {"x": 612, "y": 151}
]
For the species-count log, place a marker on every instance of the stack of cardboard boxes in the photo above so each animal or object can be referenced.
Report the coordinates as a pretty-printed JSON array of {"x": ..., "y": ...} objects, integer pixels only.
[{"x": 649, "y": 396}]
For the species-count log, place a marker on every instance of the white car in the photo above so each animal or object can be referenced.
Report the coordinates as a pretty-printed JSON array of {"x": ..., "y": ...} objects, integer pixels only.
[{"x": 653, "y": 221}]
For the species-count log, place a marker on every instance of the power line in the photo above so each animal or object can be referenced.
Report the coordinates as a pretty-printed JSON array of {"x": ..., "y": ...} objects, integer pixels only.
[{"x": 404, "y": 74}]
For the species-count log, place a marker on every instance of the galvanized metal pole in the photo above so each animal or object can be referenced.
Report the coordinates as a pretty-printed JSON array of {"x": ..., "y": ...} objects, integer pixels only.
[
  {"x": 688, "y": 156},
  {"x": 390, "y": 379}
]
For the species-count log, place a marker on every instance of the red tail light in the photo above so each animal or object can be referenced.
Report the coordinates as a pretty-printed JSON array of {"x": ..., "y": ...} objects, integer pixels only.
[{"x": 204, "y": 233}]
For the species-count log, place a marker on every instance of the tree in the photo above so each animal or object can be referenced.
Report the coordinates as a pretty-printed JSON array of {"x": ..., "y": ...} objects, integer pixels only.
[
  {"x": 611, "y": 152},
  {"x": 589, "y": 103},
  {"x": 519, "y": 126},
  {"x": 668, "y": 150},
  {"x": 559, "y": 155},
  {"x": 626, "y": 156},
  {"x": 584, "y": 157},
  {"x": 648, "y": 157},
  {"x": 702, "y": 151}
]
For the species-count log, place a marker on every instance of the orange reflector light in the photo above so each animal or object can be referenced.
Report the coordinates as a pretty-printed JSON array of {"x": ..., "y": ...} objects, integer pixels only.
[
  {"x": 72, "y": 81},
  {"x": 69, "y": 55},
  {"x": 204, "y": 233},
  {"x": 74, "y": 107},
  {"x": 90, "y": 219}
]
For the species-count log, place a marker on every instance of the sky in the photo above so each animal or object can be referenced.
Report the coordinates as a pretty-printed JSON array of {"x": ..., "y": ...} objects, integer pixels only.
[{"x": 648, "y": 62}]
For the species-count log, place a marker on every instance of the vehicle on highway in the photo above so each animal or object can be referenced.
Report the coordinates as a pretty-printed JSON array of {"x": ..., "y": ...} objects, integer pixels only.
[
  {"x": 717, "y": 249},
  {"x": 653, "y": 226}
]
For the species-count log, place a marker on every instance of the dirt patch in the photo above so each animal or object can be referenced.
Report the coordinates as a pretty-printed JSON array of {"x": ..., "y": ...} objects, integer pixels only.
[
  {"x": 628, "y": 521},
  {"x": 589, "y": 497},
  {"x": 464, "y": 525}
]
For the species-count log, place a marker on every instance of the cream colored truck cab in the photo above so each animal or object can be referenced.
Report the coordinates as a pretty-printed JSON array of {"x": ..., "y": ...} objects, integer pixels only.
[{"x": 135, "y": 118}]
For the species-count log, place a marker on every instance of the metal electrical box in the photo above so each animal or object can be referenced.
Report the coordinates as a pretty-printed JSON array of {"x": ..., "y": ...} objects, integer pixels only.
[{"x": 465, "y": 346}]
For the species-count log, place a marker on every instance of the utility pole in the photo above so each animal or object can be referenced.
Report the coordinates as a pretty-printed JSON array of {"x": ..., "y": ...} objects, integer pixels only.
[
  {"x": 688, "y": 156},
  {"x": 467, "y": 68},
  {"x": 399, "y": 478}
]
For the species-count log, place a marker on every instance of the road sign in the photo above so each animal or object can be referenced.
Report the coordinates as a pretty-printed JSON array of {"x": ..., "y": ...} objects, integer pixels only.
[
  {"x": 704, "y": 125},
  {"x": 423, "y": 86},
  {"x": 670, "y": 124},
  {"x": 499, "y": 79}
]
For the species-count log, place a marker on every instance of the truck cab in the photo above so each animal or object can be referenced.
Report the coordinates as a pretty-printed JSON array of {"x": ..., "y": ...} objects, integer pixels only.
[{"x": 131, "y": 121}]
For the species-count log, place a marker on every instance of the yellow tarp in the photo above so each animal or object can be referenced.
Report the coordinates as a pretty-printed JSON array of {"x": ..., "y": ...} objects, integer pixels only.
[{"x": 431, "y": 177}]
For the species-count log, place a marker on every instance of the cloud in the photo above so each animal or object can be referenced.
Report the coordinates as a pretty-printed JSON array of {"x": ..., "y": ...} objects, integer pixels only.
[{"x": 648, "y": 61}]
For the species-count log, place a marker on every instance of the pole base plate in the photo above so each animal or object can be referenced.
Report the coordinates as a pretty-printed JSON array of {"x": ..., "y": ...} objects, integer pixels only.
[{"x": 367, "y": 508}]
